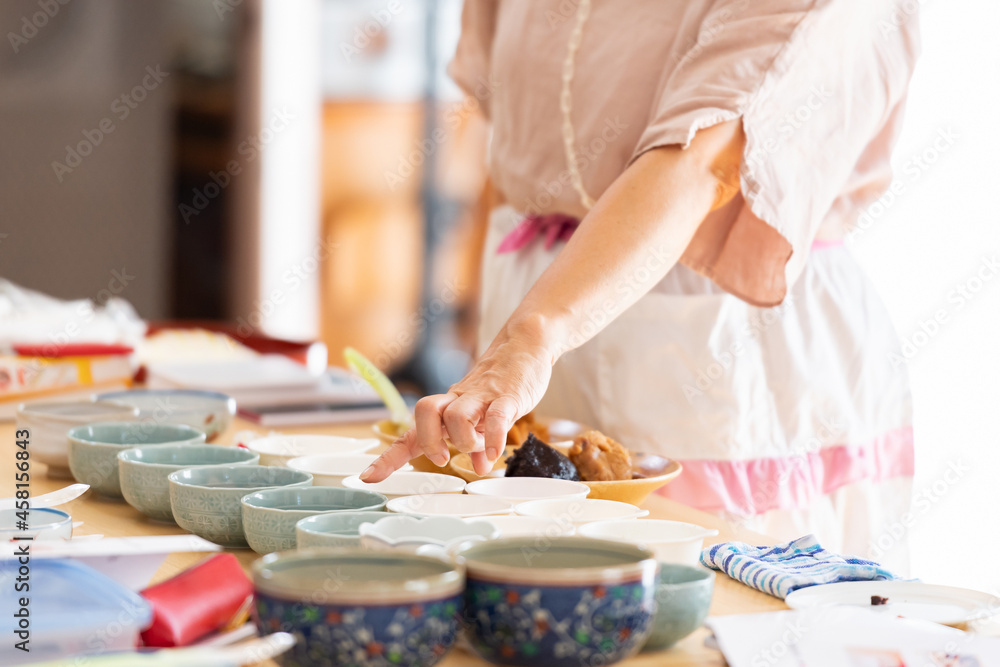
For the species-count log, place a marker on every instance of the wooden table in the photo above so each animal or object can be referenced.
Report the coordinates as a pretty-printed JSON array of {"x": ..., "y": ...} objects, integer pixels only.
[{"x": 117, "y": 519}]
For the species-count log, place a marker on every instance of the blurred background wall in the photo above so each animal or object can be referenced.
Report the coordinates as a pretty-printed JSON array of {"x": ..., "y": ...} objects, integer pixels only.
[
  {"x": 87, "y": 173},
  {"x": 275, "y": 175}
]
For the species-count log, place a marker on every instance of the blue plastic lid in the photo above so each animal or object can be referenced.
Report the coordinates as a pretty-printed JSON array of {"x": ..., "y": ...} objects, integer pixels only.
[{"x": 66, "y": 596}]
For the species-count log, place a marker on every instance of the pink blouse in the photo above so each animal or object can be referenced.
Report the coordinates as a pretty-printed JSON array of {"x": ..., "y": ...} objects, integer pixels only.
[{"x": 819, "y": 86}]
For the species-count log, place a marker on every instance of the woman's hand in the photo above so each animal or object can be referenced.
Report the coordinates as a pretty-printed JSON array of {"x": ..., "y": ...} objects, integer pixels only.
[
  {"x": 506, "y": 383},
  {"x": 635, "y": 233}
]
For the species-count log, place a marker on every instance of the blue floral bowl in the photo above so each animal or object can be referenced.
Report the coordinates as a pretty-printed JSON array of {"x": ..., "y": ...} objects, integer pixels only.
[
  {"x": 558, "y": 602},
  {"x": 352, "y": 607}
]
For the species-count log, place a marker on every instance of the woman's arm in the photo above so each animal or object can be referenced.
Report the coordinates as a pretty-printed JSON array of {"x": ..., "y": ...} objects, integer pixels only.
[{"x": 635, "y": 233}]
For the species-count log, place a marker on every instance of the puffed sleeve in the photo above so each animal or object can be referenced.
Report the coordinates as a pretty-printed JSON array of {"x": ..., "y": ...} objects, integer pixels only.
[
  {"x": 470, "y": 68},
  {"x": 819, "y": 87}
]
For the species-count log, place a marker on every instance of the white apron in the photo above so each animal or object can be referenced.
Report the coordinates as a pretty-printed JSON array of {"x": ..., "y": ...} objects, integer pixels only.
[{"x": 787, "y": 420}]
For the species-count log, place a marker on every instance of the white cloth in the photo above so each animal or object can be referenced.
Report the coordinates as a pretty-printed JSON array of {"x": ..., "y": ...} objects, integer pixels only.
[
  {"x": 30, "y": 317},
  {"x": 788, "y": 420}
]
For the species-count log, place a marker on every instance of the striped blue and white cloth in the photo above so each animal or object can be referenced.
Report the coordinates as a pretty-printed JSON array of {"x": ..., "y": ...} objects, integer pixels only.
[{"x": 781, "y": 569}]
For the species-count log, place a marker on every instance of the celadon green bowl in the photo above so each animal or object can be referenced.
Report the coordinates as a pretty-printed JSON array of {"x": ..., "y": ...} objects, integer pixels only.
[
  {"x": 143, "y": 472},
  {"x": 206, "y": 501},
  {"x": 337, "y": 529},
  {"x": 94, "y": 449},
  {"x": 683, "y": 596},
  {"x": 269, "y": 516}
]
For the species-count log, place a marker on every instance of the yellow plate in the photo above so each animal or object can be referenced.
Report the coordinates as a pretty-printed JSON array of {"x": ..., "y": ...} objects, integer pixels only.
[
  {"x": 559, "y": 429},
  {"x": 634, "y": 491},
  {"x": 387, "y": 433}
]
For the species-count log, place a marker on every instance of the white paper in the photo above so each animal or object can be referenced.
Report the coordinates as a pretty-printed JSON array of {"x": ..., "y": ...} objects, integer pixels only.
[
  {"x": 131, "y": 561},
  {"x": 838, "y": 636},
  {"x": 27, "y": 316}
]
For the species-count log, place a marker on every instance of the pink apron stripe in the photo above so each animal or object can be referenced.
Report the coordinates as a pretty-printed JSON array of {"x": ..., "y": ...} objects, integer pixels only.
[
  {"x": 755, "y": 486},
  {"x": 822, "y": 245},
  {"x": 553, "y": 227}
]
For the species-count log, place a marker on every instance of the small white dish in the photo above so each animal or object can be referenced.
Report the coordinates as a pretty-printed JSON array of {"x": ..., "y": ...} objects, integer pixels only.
[
  {"x": 947, "y": 605},
  {"x": 409, "y": 484},
  {"x": 578, "y": 511},
  {"x": 412, "y": 532},
  {"x": 522, "y": 489},
  {"x": 51, "y": 499},
  {"x": 43, "y": 524},
  {"x": 49, "y": 422},
  {"x": 277, "y": 450},
  {"x": 671, "y": 541},
  {"x": 332, "y": 469},
  {"x": 449, "y": 504},
  {"x": 531, "y": 526}
]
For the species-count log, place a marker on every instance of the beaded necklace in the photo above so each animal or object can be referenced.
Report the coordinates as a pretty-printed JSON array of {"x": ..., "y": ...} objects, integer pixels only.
[{"x": 566, "y": 103}]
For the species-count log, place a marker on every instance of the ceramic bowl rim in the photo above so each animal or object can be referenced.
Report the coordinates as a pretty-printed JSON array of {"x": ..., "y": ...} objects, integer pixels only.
[
  {"x": 581, "y": 488},
  {"x": 366, "y": 592},
  {"x": 308, "y": 529},
  {"x": 248, "y": 500},
  {"x": 123, "y": 456},
  {"x": 253, "y": 445},
  {"x": 402, "y": 500},
  {"x": 193, "y": 434},
  {"x": 296, "y": 463},
  {"x": 705, "y": 577},
  {"x": 521, "y": 517},
  {"x": 229, "y": 401},
  {"x": 372, "y": 530},
  {"x": 568, "y": 528},
  {"x": 355, "y": 480},
  {"x": 645, "y": 563},
  {"x": 61, "y": 519},
  {"x": 638, "y": 514},
  {"x": 670, "y": 472},
  {"x": 29, "y": 410},
  {"x": 701, "y": 534},
  {"x": 175, "y": 478}
]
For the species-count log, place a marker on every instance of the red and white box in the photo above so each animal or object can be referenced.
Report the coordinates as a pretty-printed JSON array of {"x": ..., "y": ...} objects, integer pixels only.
[{"x": 49, "y": 372}]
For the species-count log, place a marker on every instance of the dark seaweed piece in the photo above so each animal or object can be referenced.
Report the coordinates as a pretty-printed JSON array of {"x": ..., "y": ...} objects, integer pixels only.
[
  {"x": 878, "y": 600},
  {"x": 536, "y": 459}
]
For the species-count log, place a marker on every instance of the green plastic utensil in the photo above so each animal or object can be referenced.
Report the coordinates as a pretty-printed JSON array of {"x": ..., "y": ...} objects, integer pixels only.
[{"x": 382, "y": 385}]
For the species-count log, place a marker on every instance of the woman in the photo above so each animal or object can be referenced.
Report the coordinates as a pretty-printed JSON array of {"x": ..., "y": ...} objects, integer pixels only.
[{"x": 668, "y": 265}]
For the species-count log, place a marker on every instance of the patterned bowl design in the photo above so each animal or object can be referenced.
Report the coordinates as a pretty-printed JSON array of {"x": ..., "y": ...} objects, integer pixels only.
[
  {"x": 357, "y": 608},
  {"x": 269, "y": 516},
  {"x": 143, "y": 471},
  {"x": 557, "y": 602},
  {"x": 206, "y": 501},
  {"x": 96, "y": 464},
  {"x": 417, "y": 634},
  {"x": 94, "y": 449},
  {"x": 557, "y": 626}
]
